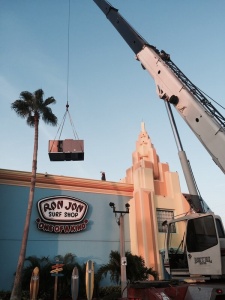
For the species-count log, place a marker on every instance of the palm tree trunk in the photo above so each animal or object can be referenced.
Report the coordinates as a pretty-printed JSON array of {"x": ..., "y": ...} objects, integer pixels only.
[{"x": 17, "y": 287}]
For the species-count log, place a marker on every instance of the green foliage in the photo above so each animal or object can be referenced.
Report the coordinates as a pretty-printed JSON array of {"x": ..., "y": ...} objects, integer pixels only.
[
  {"x": 64, "y": 287},
  {"x": 32, "y": 106},
  {"x": 46, "y": 283},
  {"x": 44, "y": 265},
  {"x": 5, "y": 295},
  {"x": 113, "y": 268},
  {"x": 136, "y": 269}
]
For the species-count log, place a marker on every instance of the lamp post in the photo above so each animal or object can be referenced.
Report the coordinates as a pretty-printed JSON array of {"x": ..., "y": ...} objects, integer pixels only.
[{"x": 122, "y": 247}]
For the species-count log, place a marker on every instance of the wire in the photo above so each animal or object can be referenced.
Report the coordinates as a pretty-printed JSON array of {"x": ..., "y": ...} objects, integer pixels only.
[
  {"x": 67, "y": 91},
  {"x": 73, "y": 128},
  {"x": 211, "y": 98},
  {"x": 60, "y": 126},
  {"x": 68, "y": 53},
  {"x": 68, "y": 75}
]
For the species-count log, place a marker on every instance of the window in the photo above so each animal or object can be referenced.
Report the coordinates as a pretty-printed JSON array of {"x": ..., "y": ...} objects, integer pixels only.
[
  {"x": 201, "y": 234},
  {"x": 164, "y": 215},
  {"x": 220, "y": 230}
]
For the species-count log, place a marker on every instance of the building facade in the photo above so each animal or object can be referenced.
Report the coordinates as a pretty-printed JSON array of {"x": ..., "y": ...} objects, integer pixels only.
[
  {"x": 156, "y": 197},
  {"x": 72, "y": 215}
]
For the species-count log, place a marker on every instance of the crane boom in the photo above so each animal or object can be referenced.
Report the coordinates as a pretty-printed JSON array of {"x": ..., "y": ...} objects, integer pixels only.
[{"x": 206, "y": 122}]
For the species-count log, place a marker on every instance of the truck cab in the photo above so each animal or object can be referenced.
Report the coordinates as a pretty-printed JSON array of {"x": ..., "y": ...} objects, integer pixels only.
[{"x": 195, "y": 247}]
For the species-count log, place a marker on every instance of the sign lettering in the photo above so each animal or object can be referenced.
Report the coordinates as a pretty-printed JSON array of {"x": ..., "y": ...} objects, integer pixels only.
[
  {"x": 203, "y": 260},
  {"x": 62, "y": 214},
  {"x": 62, "y": 209}
]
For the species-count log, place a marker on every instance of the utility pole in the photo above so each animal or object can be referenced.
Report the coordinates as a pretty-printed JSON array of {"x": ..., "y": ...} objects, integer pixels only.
[{"x": 123, "y": 258}]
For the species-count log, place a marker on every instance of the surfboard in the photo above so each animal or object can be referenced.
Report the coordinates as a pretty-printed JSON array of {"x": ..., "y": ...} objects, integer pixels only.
[
  {"x": 75, "y": 283},
  {"x": 34, "y": 284},
  {"x": 89, "y": 279}
]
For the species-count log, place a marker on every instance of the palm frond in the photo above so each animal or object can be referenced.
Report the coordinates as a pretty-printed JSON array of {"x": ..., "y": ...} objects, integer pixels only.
[
  {"x": 33, "y": 261},
  {"x": 39, "y": 94},
  {"x": 69, "y": 258},
  {"x": 26, "y": 96},
  {"x": 30, "y": 105},
  {"x": 21, "y": 108},
  {"x": 136, "y": 269},
  {"x": 30, "y": 120},
  {"x": 48, "y": 117},
  {"x": 50, "y": 100}
]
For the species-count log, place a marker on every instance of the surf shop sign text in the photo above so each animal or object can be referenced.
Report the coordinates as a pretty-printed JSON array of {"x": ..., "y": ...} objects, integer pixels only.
[{"x": 62, "y": 214}]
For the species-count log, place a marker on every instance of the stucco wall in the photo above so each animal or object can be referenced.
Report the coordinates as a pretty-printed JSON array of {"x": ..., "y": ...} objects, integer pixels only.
[{"x": 95, "y": 242}]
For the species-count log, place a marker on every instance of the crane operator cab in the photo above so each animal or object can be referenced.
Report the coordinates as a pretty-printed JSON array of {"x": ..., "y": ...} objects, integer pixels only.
[{"x": 195, "y": 247}]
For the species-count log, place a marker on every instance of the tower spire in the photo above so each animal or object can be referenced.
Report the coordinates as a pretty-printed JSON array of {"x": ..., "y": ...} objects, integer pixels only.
[{"x": 143, "y": 127}]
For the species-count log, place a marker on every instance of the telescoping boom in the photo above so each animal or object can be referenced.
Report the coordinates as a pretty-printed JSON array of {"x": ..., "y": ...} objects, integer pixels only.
[
  {"x": 206, "y": 122},
  {"x": 194, "y": 243}
]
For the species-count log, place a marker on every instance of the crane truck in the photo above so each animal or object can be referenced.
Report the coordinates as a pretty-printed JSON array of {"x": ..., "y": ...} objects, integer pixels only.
[{"x": 198, "y": 251}]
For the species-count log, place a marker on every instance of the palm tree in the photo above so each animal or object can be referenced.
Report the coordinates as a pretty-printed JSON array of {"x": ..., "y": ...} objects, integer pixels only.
[
  {"x": 69, "y": 261},
  {"x": 32, "y": 107},
  {"x": 136, "y": 269}
]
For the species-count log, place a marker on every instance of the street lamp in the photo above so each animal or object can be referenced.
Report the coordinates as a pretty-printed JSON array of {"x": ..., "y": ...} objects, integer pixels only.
[{"x": 123, "y": 258}]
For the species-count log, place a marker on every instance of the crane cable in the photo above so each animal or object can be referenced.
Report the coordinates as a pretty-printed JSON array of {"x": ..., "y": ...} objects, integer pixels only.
[
  {"x": 68, "y": 75},
  {"x": 68, "y": 55},
  {"x": 67, "y": 89}
]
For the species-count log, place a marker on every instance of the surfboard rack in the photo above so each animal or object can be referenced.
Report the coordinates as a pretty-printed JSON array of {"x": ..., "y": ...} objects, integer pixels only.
[{"x": 66, "y": 150}]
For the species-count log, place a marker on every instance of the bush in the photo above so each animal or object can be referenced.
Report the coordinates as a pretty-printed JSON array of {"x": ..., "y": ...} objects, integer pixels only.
[{"x": 5, "y": 295}]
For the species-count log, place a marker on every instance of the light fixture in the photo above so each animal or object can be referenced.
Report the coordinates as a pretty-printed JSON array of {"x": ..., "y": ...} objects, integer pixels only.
[
  {"x": 121, "y": 212},
  {"x": 120, "y": 222}
]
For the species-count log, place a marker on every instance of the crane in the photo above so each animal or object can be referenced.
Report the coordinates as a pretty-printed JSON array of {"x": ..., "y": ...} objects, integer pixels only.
[{"x": 198, "y": 248}]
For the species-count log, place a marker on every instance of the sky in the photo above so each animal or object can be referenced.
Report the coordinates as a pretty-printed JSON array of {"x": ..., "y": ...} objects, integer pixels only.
[{"x": 109, "y": 94}]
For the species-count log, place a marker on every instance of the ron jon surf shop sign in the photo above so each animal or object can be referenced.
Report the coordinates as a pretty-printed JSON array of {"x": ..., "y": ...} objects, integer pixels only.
[{"x": 62, "y": 214}]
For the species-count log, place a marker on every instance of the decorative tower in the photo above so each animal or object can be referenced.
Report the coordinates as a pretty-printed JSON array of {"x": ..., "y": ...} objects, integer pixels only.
[{"x": 156, "y": 197}]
